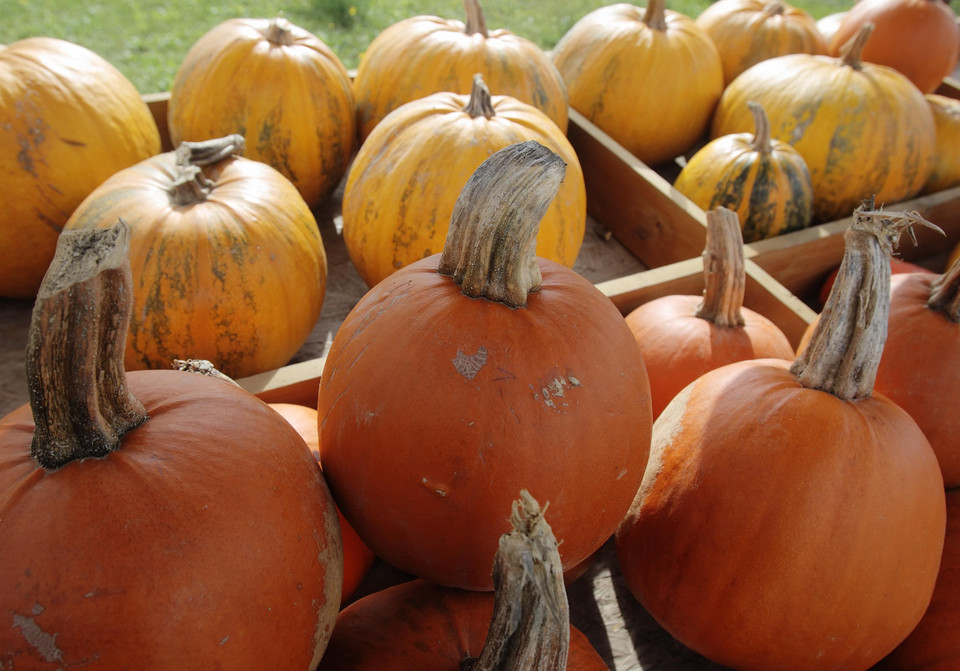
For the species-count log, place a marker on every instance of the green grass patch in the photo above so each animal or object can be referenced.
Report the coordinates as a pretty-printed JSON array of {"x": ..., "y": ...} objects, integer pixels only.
[{"x": 147, "y": 41}]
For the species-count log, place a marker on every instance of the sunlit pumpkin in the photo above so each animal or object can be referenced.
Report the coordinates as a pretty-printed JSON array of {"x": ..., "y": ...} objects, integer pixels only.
[
  {"x": 280, "y": 87},
  {"x": 68, "y": 120},
  {"x": 946, "y": 164}
]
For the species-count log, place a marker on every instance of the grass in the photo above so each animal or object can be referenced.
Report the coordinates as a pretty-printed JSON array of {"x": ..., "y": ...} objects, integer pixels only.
[{"x": 147, "y": 40}]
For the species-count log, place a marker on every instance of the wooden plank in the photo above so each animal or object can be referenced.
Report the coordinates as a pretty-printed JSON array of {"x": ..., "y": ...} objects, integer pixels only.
[{"x": 651, "y": 218}]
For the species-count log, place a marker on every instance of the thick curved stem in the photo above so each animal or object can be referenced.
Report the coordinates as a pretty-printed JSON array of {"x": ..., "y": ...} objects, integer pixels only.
[
  {"x": 491, "y": 244},
  {"x": 481, "y": 102},
  {"x": 844, "y": 349},
  {"x": 724, "y": 275},
  {"x": 851, "y": 53},
  {"x": 190, "y": 185},
  {"x": 279, "y": 32},
  {"x": 655, "y": 15},
  {"x": 761, "y": 124},
  {"x": 530, "y": 628},
  {"x": 78, "y": 390},
  {"x": 476, "y": 23},
  {"x": 945, "y": 293}
]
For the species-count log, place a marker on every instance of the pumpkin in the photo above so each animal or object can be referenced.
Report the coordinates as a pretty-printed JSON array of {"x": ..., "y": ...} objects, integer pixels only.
[
  {"x": 474, "y": 373},
  {"x": 765, "y": 181},
  {"x": 790, "y": 518},
  {"x": 863, "y": 130},
  {"x": 426, "y": 54},
  {"x": 827, "y": 25},
  {"x": 918, "y": 38},
  {"x": 68, "y": 120},
  {"x": 357, "y": 557},
  {"x": 946, "y": 167},
  {"x": 152, "y": 519},
  {"x": 920, "y": 364},
  {"x": 682, "y": 337},
  {"x": 228, "y": 262},
  {"x": 934, "y": 645},
  {"x": 749, "y": 31},
  {"x": 524, "y": 624},
  {"x": 280, "y": 87},
  {"x": 405, "y": 180},
  {"x": 649, "y": 78}
]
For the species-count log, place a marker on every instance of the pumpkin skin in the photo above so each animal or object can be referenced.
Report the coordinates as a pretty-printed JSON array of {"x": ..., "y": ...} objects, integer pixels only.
[
  {"x": 918, "y": 38},
  {"x": 357, "y": 557},
  {"x": 68, "y": 120},
  {"x": 212, "y": 492},
  {"x": 651, "y": 87},
  {"x": 414, "y": 448},
  {"x": 934, "y": 645},
  {"x": 946, "y": 167},
  {"x": 749, "y": 31},
  {"x": 420, "y": 625},
  {"x": 827, "y": 25},
  {"x": 765, "y": 181},
  {"x": 422, "y": 55},
  {"x": 862, "y": 130},
  {"x": 237, "y": 278},
  {"x": 405, "y": 180},
  {"x": 280, "y": 87}
]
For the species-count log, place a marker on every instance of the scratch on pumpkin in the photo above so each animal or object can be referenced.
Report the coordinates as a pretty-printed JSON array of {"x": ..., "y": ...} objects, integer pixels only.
[
  {"x": 436, "y": 488},
  {"x": 45, "y": 643}
]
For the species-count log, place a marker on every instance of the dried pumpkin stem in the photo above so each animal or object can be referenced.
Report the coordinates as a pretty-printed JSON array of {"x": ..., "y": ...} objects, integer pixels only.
[
  {"x": 78, "y": 390},
  {"x": 476, "y": 21},
  {"x": 851, "y": 53},
  {"x": 761, "y": 124},
  {"x": 945, "y": 293},
  {"x": 481, "y": 102},
  {"x": 190, "y": 185},
  {"x": 774, "y": 8},
  {"x": 655, "y": 15},
  {"x": 723, "y": 270},
  {"x": 530, "y": 628},
  {"x": 278, "y": 32},
  {"x": 844, "y": 349},
  {"x": 491, "y": 244}
]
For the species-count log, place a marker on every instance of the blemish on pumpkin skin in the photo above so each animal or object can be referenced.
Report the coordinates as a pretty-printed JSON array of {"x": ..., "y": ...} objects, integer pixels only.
[
  {"x": 434, "y": 487},
  {"x": 44, "y": 643}
]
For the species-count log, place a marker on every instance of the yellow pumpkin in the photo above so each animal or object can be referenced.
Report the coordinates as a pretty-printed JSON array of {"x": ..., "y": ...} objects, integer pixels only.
[
  {"x": 404, "y": 183},
  {"x": 277, "y": 85},
  {"x": 946, "y": 164},
  {"x": 429, "y": 54},
  {"x": 68, "y": 120},
  {"x": 764, "y": 181},
  {"x": 227, "y": 260},
  {"x": 863, "y": 129},
  {"x": 648, "y": 78},
  {"x": 749, "y": 31}
]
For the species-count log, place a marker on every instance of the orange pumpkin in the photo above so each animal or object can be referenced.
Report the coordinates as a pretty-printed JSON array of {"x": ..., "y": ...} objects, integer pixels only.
[
  {"x": 918, "y": 38},
  {"x": 68, "y": 120},
  {"x": 428, "y": 54},
  {"x": 525, "y": 624},
  {"x": 155, "y": 519},
  {"x": 749, "y": 31},
  {"x": 357, "y": 557},
  {"x": 790, "y": 518},
  {"x": 827, "y": 25},
  {"x": 863, "y": 129},
  {"x": 277, "y": 85},
  {"x": 469, "y": 375},
  {"x": 405, "y": 180},
  {"x": 229, "y": 265},
  {"x": 648, "y": 78},
  {"x": 946, "y": 167},
  {"x": 682, "y": 337}
]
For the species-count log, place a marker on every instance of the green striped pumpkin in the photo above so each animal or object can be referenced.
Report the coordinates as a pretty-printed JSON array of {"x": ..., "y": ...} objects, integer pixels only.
[
  {"x": 864, "y": 130},
  {"x": 765, "y": 181}
]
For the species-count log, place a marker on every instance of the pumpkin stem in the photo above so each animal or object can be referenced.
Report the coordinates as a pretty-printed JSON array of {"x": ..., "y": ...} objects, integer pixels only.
[
  {"x": 761, "y": 136},
  {"x": 202, "y": 367},
  {"x": 476, "y": 21},
  {"x": 480, "y": 103},
  {"x": 844, "y": 349},
  {"x": 774, "y": 8},
  {"x": 491, "y": 244},
  {"x": 851, "y": 53},
  {"x": 190, "y": 185},
  {"x": 279, "y": 33},
  {"x": 945, "y": 293},
  {"x": 655, "y": 16},
  {"x": 530, "y": 628},
  {"x": 78, "y": 331},
  {"x": 724, "y": 274}
]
